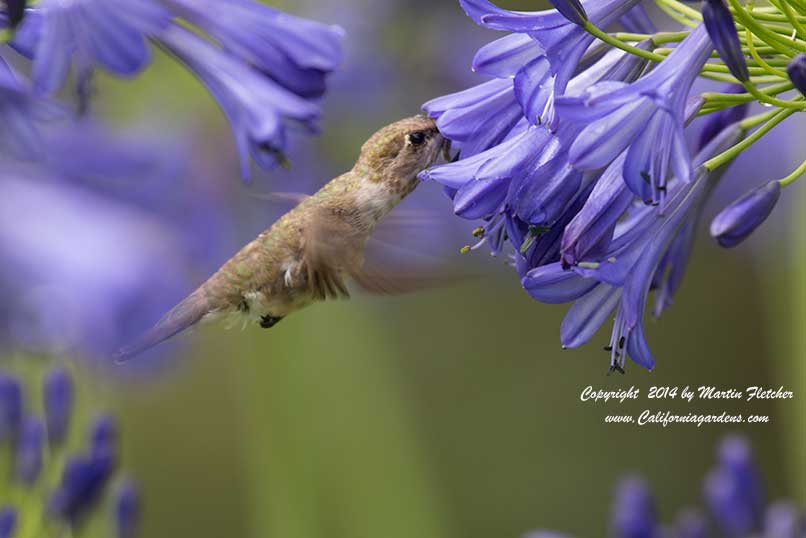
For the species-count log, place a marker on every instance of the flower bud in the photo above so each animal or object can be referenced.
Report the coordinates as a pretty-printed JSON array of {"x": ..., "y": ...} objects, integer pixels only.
[
  {"x": 127, "y": 510},
  {"x": 797, "y": 72},
  {"x": 571, "y": 10},
  {"x": 8, "y": 521},
  {"x": 738, "y": 220},
  {"x": 82, "y": 484},
  {"x": 722, "y": 31},
  {"x": 28, "y": 453},
  {"x": 10, "y": 407},
  {"x": 58, "y": 395},
  {"x": 633, "y": 514}
]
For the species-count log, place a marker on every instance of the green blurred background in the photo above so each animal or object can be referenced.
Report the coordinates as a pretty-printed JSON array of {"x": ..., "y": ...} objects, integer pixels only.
[{"x": 451, "y": 413}]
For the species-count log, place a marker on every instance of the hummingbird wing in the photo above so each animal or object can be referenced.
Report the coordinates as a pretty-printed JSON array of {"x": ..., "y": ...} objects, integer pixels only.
[{"x": 333, "y": 245}]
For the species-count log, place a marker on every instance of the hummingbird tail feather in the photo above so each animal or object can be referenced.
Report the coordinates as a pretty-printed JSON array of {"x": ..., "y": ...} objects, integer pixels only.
[{"x": 189, "y": 312}]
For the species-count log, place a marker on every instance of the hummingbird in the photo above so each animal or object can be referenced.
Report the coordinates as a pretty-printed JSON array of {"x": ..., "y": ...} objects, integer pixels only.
[{"x": 307, "y": 255}]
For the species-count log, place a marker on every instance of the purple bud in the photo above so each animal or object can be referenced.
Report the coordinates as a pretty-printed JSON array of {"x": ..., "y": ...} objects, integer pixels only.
[
  {"x": 58, "y": 395},
  {"x": 83, "y": 481},
  {"x": 104, "y": 435},
  {"x": 571, "y": 10},
  {"x": 15, "y": 10},
  {"x": 733, "y": 489},
  {"x": 722, "y": 30},
  {"x": 28, "y": 453},
  {"x": 738, "y": 220},
  {"x": 797, "y": 72},
  {"x": 8, "y": 521},
  {"x": 127, "y": 510},
  {"x": 10, "y": 407},
  {"x": 633, "y": 514}
]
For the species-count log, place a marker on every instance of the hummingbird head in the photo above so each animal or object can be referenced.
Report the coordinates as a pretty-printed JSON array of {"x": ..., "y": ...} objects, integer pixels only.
[{"x": 401, "y": 150}]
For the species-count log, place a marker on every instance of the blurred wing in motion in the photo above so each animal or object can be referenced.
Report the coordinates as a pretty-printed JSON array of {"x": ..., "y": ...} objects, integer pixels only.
[{"x": 333, "y": 246}]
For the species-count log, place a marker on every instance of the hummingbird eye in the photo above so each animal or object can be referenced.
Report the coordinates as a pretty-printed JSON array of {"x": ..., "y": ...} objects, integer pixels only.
[{"x": 417, "y": 138}]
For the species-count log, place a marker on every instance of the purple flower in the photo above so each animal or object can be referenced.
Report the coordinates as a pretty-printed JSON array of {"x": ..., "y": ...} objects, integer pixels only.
[
  {"x": 715, "y": 122},
  {"x": 10, "y": 407},
  {"x": 733, "y": 489},
  {"x": 258, "y": 108},
  {"x": 104, "y": 436},
  {"x": 738, "y": 220},
  {"x": 8, "y": 521},
  {"x": 86, "y": 34},
  {"x": 719, "y": 23},
  {"x": 28, "y": 452},
  {"x": 733, "y": 496},
  {"x": 127, "y": 510},
  {"x": 58, "y": 394},
  {"x": 646, "y": 118},
  {"x": 295, "y": 52},
  {"x": 633, "y": 514},
  {"x": 82, "y": 476},
  {"x": 563, "y": 43},
  {"x": 82, "y": 484},
  {"x": 20, "y": 113},
  {"x": 796, "y": 69},
  {"x": 478, "y": 118},
  {"x": 644, "y": 250},
  {"x": 97, "y": 188}
]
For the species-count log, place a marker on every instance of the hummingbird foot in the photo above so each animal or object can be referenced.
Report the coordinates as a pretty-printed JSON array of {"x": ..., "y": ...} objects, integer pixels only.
[{"x": 268, "y": 321}]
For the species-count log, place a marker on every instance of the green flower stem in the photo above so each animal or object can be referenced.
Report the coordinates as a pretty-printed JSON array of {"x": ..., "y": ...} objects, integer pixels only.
[
  {"x": 782, "y": 44},
  {"x": 681, "y": 8},
  {"x": 676, "y": 15},
  {"x": 764, "y": 98},
  {"x": 711, "y": 71},
  {"x": 738, "y": 98},
  {"x": 794, "y": 176},
  {"x": 659, "y": 38},
  {"x": 791, "y": 16},
  {"x": 754, "y": 53},
  {"x": 775, "y": 118}
]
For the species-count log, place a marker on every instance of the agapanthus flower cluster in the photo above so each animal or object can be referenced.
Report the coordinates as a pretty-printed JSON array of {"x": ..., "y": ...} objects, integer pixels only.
[
  {"x": 56, "y": 470},
  {"x": 265, "y": 68},
  {"x": 734, "y": 498},
  {"x": 577, "y": 152}
]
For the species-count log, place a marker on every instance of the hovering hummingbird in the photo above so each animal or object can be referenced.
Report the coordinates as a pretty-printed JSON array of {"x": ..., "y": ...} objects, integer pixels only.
[{"x": 306, "y": 255}]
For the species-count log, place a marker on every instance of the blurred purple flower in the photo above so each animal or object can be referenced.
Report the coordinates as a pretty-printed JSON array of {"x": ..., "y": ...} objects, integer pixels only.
[
  {"x": 79, "y": 285},
  {"x": 20, "y": 113},
  {"x": 264, "y": 67},
  {"x": 257, "y": 107},
  {"x": 28, "y": 452},
  {"x": 58, "y": 394},
  {"x": 84, "y": 476},
  {"x": 86, "y": 34},
  {"x": 8, "y": 521},
  {"x": 127, "y": 510},
  {"x": 738, "y": 220},
  {"x": 733, "y": 495},
  {"x": 10, "y": 407},
  {"x": 633, "y": 514},
  {"x": 297, "y": 53},
  {"x": 15, "y": 11}
]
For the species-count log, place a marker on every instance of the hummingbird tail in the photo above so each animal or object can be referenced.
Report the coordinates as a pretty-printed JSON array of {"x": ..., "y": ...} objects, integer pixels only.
[{"x": 189, "y": 312}]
